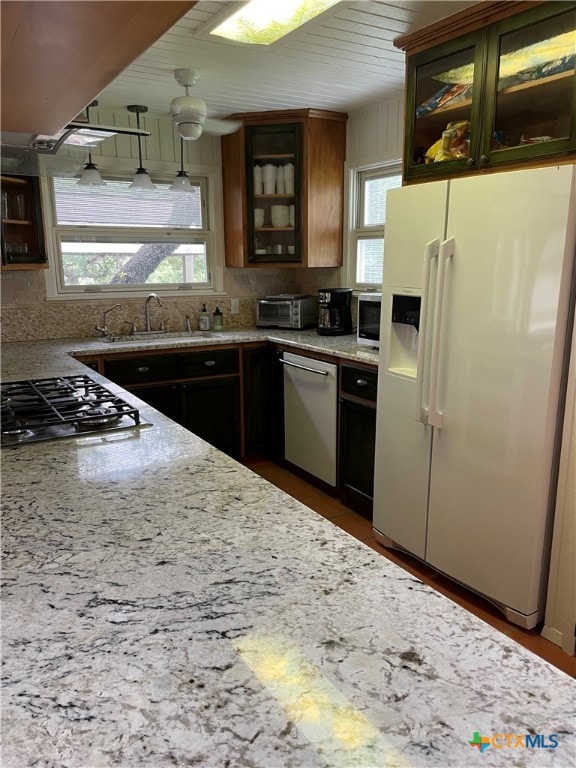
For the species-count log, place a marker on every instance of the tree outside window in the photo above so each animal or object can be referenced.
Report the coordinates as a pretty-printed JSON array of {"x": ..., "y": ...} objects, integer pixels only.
[{"x": 111, "y": 237}]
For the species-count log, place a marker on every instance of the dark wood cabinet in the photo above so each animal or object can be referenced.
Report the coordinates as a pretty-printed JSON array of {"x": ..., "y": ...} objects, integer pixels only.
[
  {"x": 283, "y": 188},
  {"x": 166, "y": 398},
  {"x": 211, "y": 409},
  {"x": 199, "y": 390},
  {"x": 358, "y": 387},
  {"x": 22, "y": 233},
  {"x": 257, "y": 376},
  {"x": 142, "y": 369},
  {"x": 501, "y": 96},
  {"x": 263, "y": 402}
]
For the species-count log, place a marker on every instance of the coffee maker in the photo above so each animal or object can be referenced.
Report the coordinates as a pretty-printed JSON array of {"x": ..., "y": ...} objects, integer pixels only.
[{"x": 335, "y": 311}]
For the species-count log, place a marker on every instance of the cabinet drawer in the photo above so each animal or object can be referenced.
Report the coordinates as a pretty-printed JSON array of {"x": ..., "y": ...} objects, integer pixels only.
[
  {"x": 209, "y": 363},
  {"x": 359, "y": 382},
  {"x": 148, "y": 368}
]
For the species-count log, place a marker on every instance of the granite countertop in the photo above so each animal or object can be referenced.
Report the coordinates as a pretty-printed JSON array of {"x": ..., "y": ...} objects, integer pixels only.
[
  {"x": 344, "y": 347},
  {"x": 163, "y": 605},
  {"x": 34, "y": 359}
]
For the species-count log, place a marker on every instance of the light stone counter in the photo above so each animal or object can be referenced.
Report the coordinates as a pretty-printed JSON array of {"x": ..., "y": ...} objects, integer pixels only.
[
  {"x": 36, "y": 359},
  {"x": 165, "y": 606},
  {"x": 344, "y": 347}
]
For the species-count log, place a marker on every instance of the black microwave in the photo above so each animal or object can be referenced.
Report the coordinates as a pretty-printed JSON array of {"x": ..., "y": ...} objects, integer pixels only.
[{"x": 369, "y": 306}]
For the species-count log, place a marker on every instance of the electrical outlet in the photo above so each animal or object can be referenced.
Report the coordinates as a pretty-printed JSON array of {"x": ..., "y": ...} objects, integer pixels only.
[{"x": 234, "y": 306}]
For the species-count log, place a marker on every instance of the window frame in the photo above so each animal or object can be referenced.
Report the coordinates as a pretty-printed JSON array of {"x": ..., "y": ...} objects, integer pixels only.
[
  {"x": 356, "y": 230},
  {"x": 209, "y": 179}
]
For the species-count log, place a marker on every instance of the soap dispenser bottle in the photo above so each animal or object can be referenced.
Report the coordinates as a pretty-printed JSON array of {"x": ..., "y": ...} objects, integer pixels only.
[
  {"x": 204, "y": 319},
  {"x": 217, "y": 320}
]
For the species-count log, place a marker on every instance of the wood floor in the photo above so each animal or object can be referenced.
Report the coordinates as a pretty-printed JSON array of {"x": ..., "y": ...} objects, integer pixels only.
[{"x": 360, "y": 528}]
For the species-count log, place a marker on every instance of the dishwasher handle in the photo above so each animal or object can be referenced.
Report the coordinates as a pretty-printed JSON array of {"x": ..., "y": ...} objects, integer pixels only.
[{"x": 304, "y": 368}]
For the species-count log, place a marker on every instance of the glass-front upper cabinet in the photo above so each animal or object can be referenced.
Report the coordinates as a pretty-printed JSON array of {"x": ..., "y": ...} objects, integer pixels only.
[
  {"x": 22, "y": 243},
  {"x": 273, "y": 200},
  {"x": 532, "y": 101},
  {"x": 504, "y": 94},
  {"x": 445, "y": 92}
]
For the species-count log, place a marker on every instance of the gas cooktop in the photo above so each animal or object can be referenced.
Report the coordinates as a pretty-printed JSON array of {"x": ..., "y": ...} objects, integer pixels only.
[{"x": 65, "y": 406}]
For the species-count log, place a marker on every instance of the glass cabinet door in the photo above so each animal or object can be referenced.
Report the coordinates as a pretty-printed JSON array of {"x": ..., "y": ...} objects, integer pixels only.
[
  {"x": 22, "y": 243},
  {"x": 273, "y": 200},
  {"x": 444, "y": 95},
  {"x": 531, "y": 58}
]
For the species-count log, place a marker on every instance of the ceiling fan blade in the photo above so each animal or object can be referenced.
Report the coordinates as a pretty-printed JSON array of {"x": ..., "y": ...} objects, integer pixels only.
[{"x": 221, "y": 127}]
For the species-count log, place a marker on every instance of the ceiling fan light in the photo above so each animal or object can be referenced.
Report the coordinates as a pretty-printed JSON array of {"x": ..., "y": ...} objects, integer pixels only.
[
  {"x": 142, "y": 180},
  {"x": 91, "y": 177},
  {"x": 181, "y": 183},
  {"x": 189, "y": 131},
  {"x": 189, "y": 105}
]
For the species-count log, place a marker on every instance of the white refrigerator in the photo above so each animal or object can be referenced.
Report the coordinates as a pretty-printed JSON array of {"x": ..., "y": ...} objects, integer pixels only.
[{"x": 477, "y": 292}]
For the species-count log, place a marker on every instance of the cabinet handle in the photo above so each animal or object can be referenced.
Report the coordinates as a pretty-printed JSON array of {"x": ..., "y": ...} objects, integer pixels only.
[
  {"x": 209, "y": 363},
  {"x": 483, "y": 160},
  {"x": 470, "y": 162},
  {"x": 361, "y": 382},
  {"x": 143, "y": 369}
]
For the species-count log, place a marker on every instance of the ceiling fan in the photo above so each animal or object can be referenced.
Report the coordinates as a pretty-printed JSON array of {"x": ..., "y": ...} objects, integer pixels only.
[{"x": 190, "y": 113}]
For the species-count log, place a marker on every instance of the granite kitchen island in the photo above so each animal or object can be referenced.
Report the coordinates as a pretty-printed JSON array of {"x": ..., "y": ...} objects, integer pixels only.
[{"x": 163, "y": 605}]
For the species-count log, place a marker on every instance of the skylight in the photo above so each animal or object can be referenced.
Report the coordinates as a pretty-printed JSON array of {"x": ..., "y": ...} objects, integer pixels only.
[{"x": 262, "y": 22}]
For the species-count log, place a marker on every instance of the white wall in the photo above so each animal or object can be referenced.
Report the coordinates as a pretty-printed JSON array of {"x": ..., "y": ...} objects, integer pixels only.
[{"x": 375, "y": 134}]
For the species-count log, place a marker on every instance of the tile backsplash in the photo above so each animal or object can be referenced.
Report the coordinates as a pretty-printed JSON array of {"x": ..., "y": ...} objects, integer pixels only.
[{"x": 27, "y": 316}]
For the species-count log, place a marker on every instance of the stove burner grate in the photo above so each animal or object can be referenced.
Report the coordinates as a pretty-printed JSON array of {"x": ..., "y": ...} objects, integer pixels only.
[{"x": 46, "y": 409}]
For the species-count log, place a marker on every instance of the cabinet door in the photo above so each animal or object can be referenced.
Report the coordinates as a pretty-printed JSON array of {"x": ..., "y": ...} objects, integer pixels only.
[
  {"x": 357, "y": 446},
  {"x": 443, "y": 101},
  {"x": 166, "y": 398},
  {"x": 530, "y": 86},
  {"x": 22, "y": 234},
  {"x": 257, "y": 373},
  {"x": 273, "y": 198},
  {"x": 211, "y": 409}
]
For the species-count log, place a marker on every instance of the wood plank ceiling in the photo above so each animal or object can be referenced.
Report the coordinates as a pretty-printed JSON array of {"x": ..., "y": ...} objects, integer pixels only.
[{"x": 343, "y": 60}]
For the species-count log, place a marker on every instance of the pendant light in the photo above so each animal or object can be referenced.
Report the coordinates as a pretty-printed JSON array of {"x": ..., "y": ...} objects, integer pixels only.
[
  {"x": 181, "y": 183},
  {"x": 90, "y": 175},
  {"x": 142, "y": 180}
]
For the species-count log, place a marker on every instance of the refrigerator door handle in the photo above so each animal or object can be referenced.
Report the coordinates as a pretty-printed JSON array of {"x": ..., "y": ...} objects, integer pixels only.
[
  {"x": 436, "y": 417},
  {"x": 431, "y": 251}
]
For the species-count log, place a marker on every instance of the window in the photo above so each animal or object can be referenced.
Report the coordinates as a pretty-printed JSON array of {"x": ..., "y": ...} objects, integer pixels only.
[
  {"x": 111, "y": 239},
  {"x": 368, "y": 218}
]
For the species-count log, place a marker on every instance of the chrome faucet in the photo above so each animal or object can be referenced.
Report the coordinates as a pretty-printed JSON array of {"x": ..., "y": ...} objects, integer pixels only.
[
  {"x": 147, "y": 308},
  {"x": 103, "y": 329}
]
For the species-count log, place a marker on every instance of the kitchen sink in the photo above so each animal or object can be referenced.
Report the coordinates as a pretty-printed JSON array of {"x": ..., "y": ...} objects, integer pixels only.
[{"x": 153, "y": 335}]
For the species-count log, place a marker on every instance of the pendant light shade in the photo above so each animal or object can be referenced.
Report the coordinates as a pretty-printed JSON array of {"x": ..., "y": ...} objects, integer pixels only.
[
  {"x": 142, "y": 180},
  {"x": 181, "y": 183},
  {"x": 90, "y": 175}
]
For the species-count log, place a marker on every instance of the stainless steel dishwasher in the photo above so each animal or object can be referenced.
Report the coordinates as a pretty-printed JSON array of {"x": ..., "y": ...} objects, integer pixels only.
[{"x": 310, "y": 414}]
